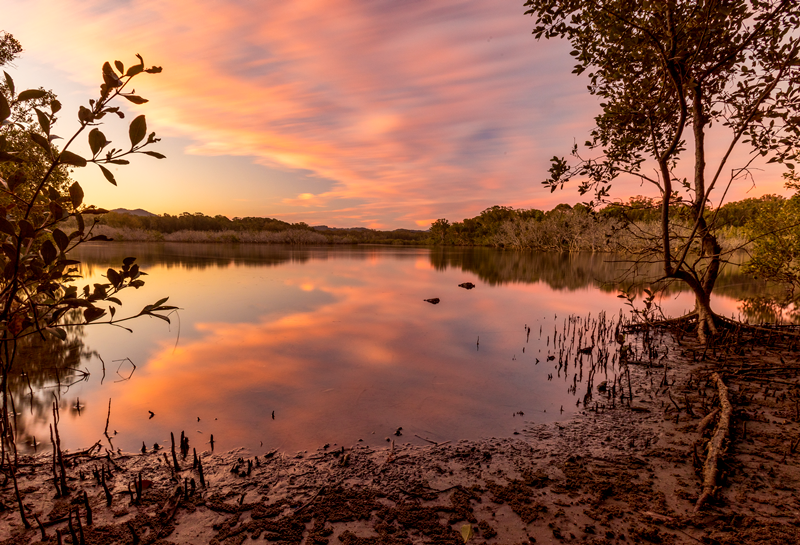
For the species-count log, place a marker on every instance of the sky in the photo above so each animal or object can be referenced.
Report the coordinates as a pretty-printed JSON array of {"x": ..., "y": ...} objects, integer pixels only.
[{"x": 347, "y": 113}]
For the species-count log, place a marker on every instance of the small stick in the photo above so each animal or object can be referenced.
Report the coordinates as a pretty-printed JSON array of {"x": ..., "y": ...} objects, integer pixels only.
[
  {"x": 133, "y": 533},
  {"x": 108, "y": 418},
  {"x": 72, "y": 530},
  {"x": 109, "y": 498},
  {"x": 171, "y": 469},
  {"x": 707, "y": 419},
  {"x": 41, "y": 528},
  {"x": 63, "y": 477},
  {"x": 88, "y": 508},
  {"x": 174, "y": 457},
  {"x": 200, "y": 472},
  {"x": 80, "y": 525}
]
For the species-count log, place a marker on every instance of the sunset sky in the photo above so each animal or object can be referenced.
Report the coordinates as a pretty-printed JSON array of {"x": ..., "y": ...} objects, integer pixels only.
[{"x": 371, "y": 113}]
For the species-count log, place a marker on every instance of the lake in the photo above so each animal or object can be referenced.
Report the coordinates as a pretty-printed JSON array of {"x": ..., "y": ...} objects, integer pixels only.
[{"x": 293, "y": 348}]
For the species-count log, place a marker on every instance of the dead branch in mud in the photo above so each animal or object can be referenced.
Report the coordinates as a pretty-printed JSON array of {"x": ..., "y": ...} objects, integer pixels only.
[{"x": 716, "y": 447}]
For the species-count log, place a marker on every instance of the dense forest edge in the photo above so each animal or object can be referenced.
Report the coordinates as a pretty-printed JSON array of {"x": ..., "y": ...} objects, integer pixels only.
[{"x": 616, "y": 227}]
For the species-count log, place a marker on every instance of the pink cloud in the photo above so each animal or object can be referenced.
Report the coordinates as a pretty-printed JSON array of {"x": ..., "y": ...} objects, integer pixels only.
[{"x": 451, "y": 106}]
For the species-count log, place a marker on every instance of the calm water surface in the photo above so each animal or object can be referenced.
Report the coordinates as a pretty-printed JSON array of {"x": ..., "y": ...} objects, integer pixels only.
[{"x": 338, "y": 342}]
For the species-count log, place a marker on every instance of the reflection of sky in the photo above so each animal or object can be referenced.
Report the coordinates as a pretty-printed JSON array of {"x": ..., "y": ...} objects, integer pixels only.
[{"x": 342, "y": 347}]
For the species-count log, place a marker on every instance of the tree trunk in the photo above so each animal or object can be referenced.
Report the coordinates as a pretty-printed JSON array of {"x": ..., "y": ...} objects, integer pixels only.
[{"x": 706, "y": 319}]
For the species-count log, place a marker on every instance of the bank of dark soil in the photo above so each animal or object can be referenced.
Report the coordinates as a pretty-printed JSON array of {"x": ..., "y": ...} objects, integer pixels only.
[{"x": 620, "y": 472}]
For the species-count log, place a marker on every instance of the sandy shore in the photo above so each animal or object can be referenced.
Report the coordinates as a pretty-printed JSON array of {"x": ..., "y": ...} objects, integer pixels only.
[{"x": 627, "y": 474}]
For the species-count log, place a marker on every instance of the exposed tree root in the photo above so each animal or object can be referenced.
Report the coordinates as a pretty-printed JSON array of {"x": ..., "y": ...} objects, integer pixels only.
[
  {"x": 716, "y": 447},
  {"x": 667, "y": 322},
  {"x": 722, "y": 324}
]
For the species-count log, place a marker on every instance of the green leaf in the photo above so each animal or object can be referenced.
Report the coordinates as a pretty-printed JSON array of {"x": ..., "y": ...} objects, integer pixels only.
[
  {"x": 76, "y": 196},
  {"x": 62, "y": 241},
  {"x": 114, "y": 277},
  {"x": 93, "y": 313},
  {"x": 57, "y": 210},
  {"x": 26, "y": 230},
  {"x": 155, "y": 154},
  {"x": 6, "y": 227},
  {"x": 161, "y": 302},
  {"x": 97, "y": 141},
  {"x": 31, "y": 94},
  {"x": 43, "y": 142},
  {"x": 136, "y": 99},
  {"x": 58, "y": 332},
  {"x": 107, "y": 174},
  {"x": 55, "y": 106},
  {"x": 49, "y": 252},
  {"x": 7, "y": 157},
  {"x": 137, "y": 130},
  {"x": 44, "y": 121},
  {"x": 10, "y": 83},
  {"x": 128, "y": 261},
  {"x": 69, "y": 158},
  {"x": 120, "y": 67},
  {"x": 85, "y": 115},
  {"x": 110, "y": 78},
  {"x": 5, "y": 109},
  {"x": 135, "y": 69}
]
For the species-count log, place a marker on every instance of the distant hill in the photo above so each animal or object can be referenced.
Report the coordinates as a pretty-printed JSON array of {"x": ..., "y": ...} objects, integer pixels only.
[
  {"x": 326, "y": 228},
  {"x": 364, "y": 229},
  {"x": 137, "y": 212}
]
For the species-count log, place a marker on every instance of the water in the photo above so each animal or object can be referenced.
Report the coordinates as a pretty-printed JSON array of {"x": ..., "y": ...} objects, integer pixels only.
[{"x": 337, "y": 343}]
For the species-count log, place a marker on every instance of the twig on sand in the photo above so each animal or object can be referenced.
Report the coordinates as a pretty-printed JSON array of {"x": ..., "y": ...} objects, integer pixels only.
[
  {"x": 432, "y": 442},
  {"x": 314, "y": 497},
  {"x": 388, "y": 458},
  {"x": 716, "y": 447}
]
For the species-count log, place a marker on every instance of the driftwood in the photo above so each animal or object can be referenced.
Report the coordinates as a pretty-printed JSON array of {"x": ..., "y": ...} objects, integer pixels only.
[
  {"x": 716, "y": 447},
  {"x": 706, "y": 421}
]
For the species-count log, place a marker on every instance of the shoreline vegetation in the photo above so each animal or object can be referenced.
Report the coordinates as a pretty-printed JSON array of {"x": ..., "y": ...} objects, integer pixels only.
[{"x": 628, "y": 227}]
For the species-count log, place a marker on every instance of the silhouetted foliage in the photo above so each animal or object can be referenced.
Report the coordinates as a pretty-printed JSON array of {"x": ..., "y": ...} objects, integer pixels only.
[
  {"x": 665, "y": 71},
  {"x": 38, "y": 283}
]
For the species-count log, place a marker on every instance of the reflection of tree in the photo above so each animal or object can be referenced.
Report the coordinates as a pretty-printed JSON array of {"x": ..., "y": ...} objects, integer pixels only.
[
  {"x": 187, "y": 255},
  {"x": 560, "y": 271},
  {"x": 607, "y": 272},
  {"x": 194, "y": 255},
  {"x": 44, "y": 368},
  {"x": 770, "y": 309}
]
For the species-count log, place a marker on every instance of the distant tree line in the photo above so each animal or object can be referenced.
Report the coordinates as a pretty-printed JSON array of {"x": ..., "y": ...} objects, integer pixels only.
[
  {"x": 565, "y": 228},
  {"x": 167, "y": 223},
  {"x": 198, "y": 227},
  {"x": 616, "y": 227}
]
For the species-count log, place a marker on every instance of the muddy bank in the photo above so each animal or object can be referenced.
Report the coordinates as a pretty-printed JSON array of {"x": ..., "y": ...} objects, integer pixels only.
[{"x": 619, "y": 472}]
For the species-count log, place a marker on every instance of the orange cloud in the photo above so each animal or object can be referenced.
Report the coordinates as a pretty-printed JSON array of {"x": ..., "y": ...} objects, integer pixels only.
[{"x": 400, "y": 104}]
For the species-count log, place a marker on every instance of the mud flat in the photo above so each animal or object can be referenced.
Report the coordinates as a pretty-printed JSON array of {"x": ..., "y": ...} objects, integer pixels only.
[{"x": 619, "y": 472}]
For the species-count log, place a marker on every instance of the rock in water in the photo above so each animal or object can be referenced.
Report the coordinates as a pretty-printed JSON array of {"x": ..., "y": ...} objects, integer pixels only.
[
  {"x": 467, "y": 285},
  {"x": 434, "y": 301}
]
